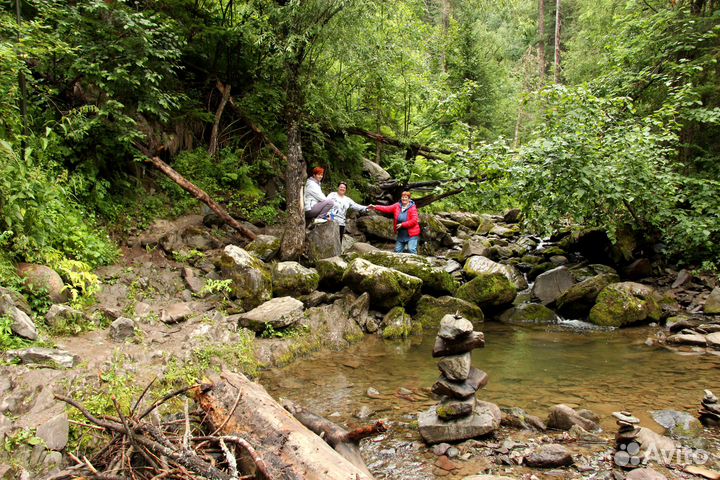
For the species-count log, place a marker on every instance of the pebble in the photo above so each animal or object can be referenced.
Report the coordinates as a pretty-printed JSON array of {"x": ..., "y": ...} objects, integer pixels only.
[
  {"x": 373, "y": 392},
  {"x": 404, "y": 391},
  {"x": 452, "y": 452},
  {"x": 440, "y": 449}
]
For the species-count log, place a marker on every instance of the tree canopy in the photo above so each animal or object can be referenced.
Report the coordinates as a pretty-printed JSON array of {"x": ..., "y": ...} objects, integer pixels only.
[{"x": 626, "y": 137}]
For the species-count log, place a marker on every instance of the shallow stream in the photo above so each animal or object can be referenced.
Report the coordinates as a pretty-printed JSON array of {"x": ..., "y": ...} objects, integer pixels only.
[{"x": 529, "y": 367}]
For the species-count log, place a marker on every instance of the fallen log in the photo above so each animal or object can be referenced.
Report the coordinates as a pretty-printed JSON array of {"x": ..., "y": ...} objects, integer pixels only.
[
  {"x": 200, "y": 194},
  {"x": 346, "y": 443},
  {"x": 236, "y": 406}
]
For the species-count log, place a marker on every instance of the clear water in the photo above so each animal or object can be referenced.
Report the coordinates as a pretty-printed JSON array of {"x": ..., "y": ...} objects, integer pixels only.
[{"x": 529, "y": 367}]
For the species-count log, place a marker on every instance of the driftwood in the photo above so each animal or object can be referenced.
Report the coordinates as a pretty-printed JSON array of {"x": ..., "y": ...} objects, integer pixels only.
[
  {"x": 197, "y": 192},
  {"x": 346, "y": 443},
  {"x": 236, "y": 406},
  {"x": 139, "y": 449}
]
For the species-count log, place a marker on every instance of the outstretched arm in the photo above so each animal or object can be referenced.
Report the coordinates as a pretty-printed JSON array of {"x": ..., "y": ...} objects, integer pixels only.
[{"x": 384, "y": 209}]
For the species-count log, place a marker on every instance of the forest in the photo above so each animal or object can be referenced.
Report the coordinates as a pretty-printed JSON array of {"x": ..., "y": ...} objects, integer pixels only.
[
  {"x": 582, "y": 113},
  {"x": 530, "y": 126}
]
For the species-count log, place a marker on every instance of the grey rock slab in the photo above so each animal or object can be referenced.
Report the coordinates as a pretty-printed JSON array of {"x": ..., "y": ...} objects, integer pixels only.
[
  {"x": 454, "y": 327},
  {"x": 278, "y": 313},
  {"x": 22, "y": 324},
  {"x": 679, "y": 425},
  {"x": 485, "y": 419},
  {"x": 43, "y": 356},
  {"x": 626, "y": 417},
  {"x": 122, "y": 329},
  {"x": 456, "y": 367},
  {"x": 176, "y": 313},
  {"x": 443, "y": 347},
  {"x": 451, "y": 409},
  {"x": 713, "y": 340},
  {"x": 194, "y": 283},
  {"x": 712, "y": 302},
  {"x": 62, "y": 313},
  {"x": 563, "y": 417},
  {"x": 323, "y": 241},
  {"x": 550, "y": 285},
  {"x": 476, "y": 380},
  {"x": 55, "y": 432},
  {"x": 645, "y": 473},
  {"x": 688, "y": 339},
  {"x": 549, "y": 456}
]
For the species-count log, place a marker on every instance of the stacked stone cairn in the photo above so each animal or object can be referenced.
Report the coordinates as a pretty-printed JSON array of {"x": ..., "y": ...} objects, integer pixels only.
[
  {"x": 710, "y": 410},
  {"x": 458, "y": 416},
  {"x": 628, "y": 430}
]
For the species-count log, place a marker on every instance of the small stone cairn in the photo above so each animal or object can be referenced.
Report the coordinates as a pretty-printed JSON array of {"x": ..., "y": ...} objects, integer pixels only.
[
  {"x": 710, "y": 410},
  {"x": 628, "y": 430},
  {"x": 458, "y": 416}
]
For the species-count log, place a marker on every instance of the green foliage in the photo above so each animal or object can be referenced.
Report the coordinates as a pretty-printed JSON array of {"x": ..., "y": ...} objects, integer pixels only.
[
  {"x": 8, "y": 340},
  {"x": 82, "y": 284},
  {"x": 184, "y": 256},
  {"x": 216, "y": 286},
  {"x": 290, "y": 332},
  {"x": 26, "y": 436},
  {"x": 41, "y": 222}
]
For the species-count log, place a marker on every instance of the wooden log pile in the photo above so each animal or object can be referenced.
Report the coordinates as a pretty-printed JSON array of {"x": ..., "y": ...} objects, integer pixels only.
[{"x": 237, "y": 431}]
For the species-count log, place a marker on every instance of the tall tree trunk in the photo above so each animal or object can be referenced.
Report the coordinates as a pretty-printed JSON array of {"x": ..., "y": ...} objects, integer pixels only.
[
  {"x": 293, "y": 241},
  {"x": 445, "y": 9},
  {"x": 557, "y": 41},
  {"x": 225, "y": 90},
  {"x": 541, "y": 40}
]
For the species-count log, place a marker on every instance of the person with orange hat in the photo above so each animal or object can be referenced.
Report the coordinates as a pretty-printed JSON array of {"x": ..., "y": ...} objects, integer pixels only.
[{"x": 317, "y": 205}]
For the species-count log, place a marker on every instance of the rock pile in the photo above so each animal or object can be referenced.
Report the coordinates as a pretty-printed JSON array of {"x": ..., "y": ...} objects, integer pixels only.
[
  {"x": 459, "y": 415},
  {"x": 628, "y": 430},
  {"x": 710, "y": 410}
]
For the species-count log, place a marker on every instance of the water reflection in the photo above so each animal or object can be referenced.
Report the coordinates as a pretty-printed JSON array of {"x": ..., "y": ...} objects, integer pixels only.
[{"x": 530, "y": 367}]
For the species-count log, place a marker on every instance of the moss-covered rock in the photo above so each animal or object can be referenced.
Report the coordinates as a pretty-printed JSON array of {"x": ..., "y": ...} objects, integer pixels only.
[
  {"x": 265, "y": 247},
  {"x": 377, "y": 226},
  {"x": 488, "y": 289},
  {"x": 580, "y": 298},
  {"x": 331, "y": 271},
  {"x": 529, "y": 313},
  {"x": 625, "y": 303},
  {"x": 434, "y": 232},
  {"x": 323, "y": 241},
  {"x": 431, "y": 310},
  {"x": 387, "y": 287},
  {"x": 291, "y": 278},
  {"x": 477, "y": 264},
  {"x": 398, "y": 324},
  {"x": 251, "y": 278},
  {"x": 435, "y": 279},
  {"x": 476, "y": 246}
]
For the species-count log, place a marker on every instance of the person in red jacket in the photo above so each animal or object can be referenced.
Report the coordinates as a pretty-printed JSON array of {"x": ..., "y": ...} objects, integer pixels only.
[{"x": 405, "y": 222}]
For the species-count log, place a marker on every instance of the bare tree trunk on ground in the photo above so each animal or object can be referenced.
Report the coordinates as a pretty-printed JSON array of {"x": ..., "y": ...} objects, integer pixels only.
[
  {"x": 225, "y": 90},
  {"x": 237, "y": 406},
  {"x": 344, "y": 442},
  {"x": 200, "y": 195},
  {"x": 557, "y": 41}
]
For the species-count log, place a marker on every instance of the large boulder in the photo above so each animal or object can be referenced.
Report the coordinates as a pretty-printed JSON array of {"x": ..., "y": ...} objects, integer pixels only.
[
  {"x": 681, "y": 426},
  {"x": 375, "y": 171},
  {"x": 291, "y": 278},
  {"x": 277, "y": 313},
  {"x": 398, "y": 324},
  {"x": 626, "y": 303},
  {"x": 529, "y": 313},
  {"x": 550, "y": 285},
  {"x": 377, "y": 226},
  {"x": 479, "y": 246},
  {"x": 387, "y": 287},
  {"x": 330, "y": 271},
  {"x": 323, "y": 241},
  {"x": 488, "y": 290},
  {"x": 251, "y": 278},
  {"x": 485, "y": 419},
  {"x": 61, "y": 315},
  {"x": 563, "y": 417},
  {"x": 712, "y": 302},
  {"x": 434, "y": 232},
  {"x": 431, "y": 310},
  {"x": 477, "y": 264},
  {"x": 466, "y": 219},
  {"x": 577, "y": 301},
  {"x": 265, "y": 247},
  {"x": 435, "y": 279},
  {"x": 22, "y": 324},
  {"x": 41, "y": 276}
]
